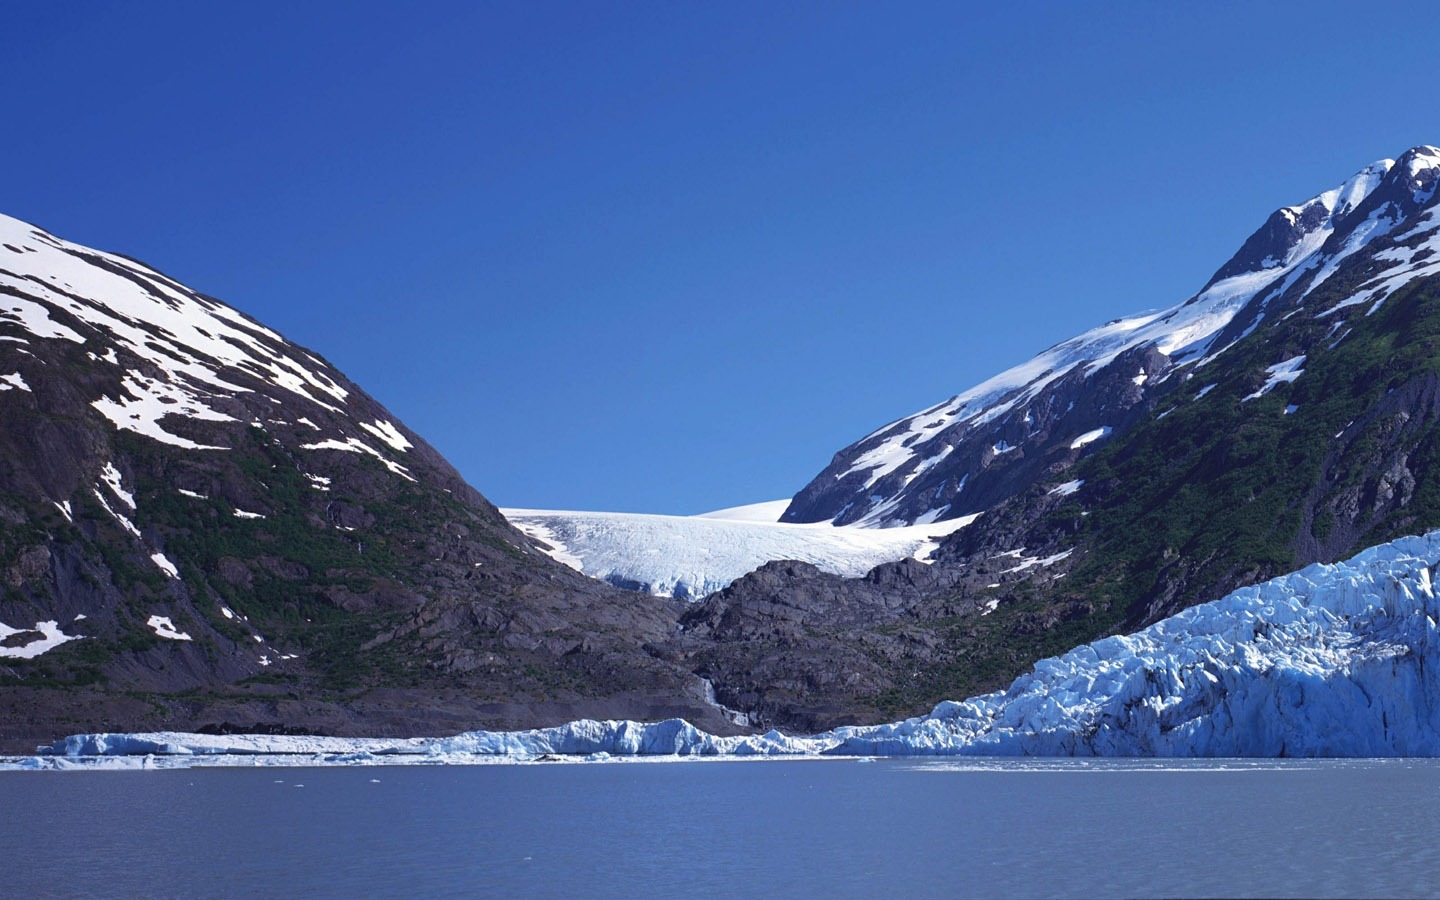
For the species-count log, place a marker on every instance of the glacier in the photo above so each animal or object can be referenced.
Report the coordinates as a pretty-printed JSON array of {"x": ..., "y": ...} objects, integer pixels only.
[
  {"x": 691, "y": 556},
  {"x": 1335, "y": 660}
]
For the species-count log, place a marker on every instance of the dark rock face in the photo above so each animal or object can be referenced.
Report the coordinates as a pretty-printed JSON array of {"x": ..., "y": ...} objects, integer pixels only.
[{"x": 163, "y": 457}]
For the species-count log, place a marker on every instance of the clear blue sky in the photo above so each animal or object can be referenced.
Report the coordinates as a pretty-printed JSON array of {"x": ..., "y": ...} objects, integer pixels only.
[{"x": 671, "y": 256}]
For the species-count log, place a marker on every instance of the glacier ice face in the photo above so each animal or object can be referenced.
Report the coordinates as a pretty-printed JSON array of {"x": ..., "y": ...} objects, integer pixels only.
[{"x": 1333, "y": 660}]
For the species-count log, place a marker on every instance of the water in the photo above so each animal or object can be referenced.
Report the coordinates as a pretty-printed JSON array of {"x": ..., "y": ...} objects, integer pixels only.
[{"x": 842, "y": 828}]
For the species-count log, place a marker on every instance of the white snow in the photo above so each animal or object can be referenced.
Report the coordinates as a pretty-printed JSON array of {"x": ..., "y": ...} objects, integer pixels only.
[
  {"x": 145, "y": 401},
  {"x": 1291, "y": 409},
  {"x": 1205, "y": 390},
  {"x": 1029, "y": 562},
  {"x": 354, "y": 445},
  {"x": 1068, "y": 488},
  {"x": 192, "y": 494},
  {"x": 165, "y": 564},
  {"x": 163, "y": 627},
  {"x": 124, "y": 522},
  {"x": 242, "y": 514},
  {"x": 319, "y": 482},
  {"x": 1281, "y": 373},
  {"x": 768, "y": 511},
  {"x": 12, "y": 381},
  {"x": 691, "y": 556},
  {"x": 50, "y": 637},
  {"x": 1091, "y": 437},
  {"x": 1333, "y": 660},
  {"x": 387, "y": 432},
  {"x": 65, "y": 509},
  {"x": 111, "y": 476}
]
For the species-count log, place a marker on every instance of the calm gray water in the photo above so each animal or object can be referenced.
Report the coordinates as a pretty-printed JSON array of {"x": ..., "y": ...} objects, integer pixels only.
[{"x": 891, "y": 828}]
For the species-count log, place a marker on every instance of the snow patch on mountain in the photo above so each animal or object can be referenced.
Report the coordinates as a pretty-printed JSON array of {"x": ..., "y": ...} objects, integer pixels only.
[
  {"x": 163, "y": 627},
  {"x": 692, "y": 556},
  {"x": 1091, "y": 437},
  {"x": 49, "y": 637},
  {"x": 1283, "y": 372}
]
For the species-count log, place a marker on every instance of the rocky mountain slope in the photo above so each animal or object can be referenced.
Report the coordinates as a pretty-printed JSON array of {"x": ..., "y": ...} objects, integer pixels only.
[
  {"x": 1285, "y": 415},
  {"x": 204, "y": 524},
  {"x": 1335, "y": 660}
]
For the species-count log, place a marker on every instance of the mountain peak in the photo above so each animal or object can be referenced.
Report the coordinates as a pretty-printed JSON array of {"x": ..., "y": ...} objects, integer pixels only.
[
  {"x": 1293, "y": 232},
  {"x": 956, "y": 458}
]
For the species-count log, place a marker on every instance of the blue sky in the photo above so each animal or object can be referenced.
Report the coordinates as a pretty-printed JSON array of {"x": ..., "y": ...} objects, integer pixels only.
[{"x": 668, "y": 257}]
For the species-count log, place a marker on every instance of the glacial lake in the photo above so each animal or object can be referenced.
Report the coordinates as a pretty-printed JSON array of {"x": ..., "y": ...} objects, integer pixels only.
[{"x": 915, "y": 828}]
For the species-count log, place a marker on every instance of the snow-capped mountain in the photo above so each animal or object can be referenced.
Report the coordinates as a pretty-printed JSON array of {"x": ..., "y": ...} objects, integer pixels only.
[
  {"x": 967, "y": 453},
  {"x": 201, "y": 521},
  {"x": 1288, "y": 414},
  {"x": 688, "y": 557}
]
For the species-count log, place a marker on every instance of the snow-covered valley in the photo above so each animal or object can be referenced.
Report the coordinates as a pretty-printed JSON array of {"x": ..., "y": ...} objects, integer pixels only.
[{"x": 692, "y": 556}]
